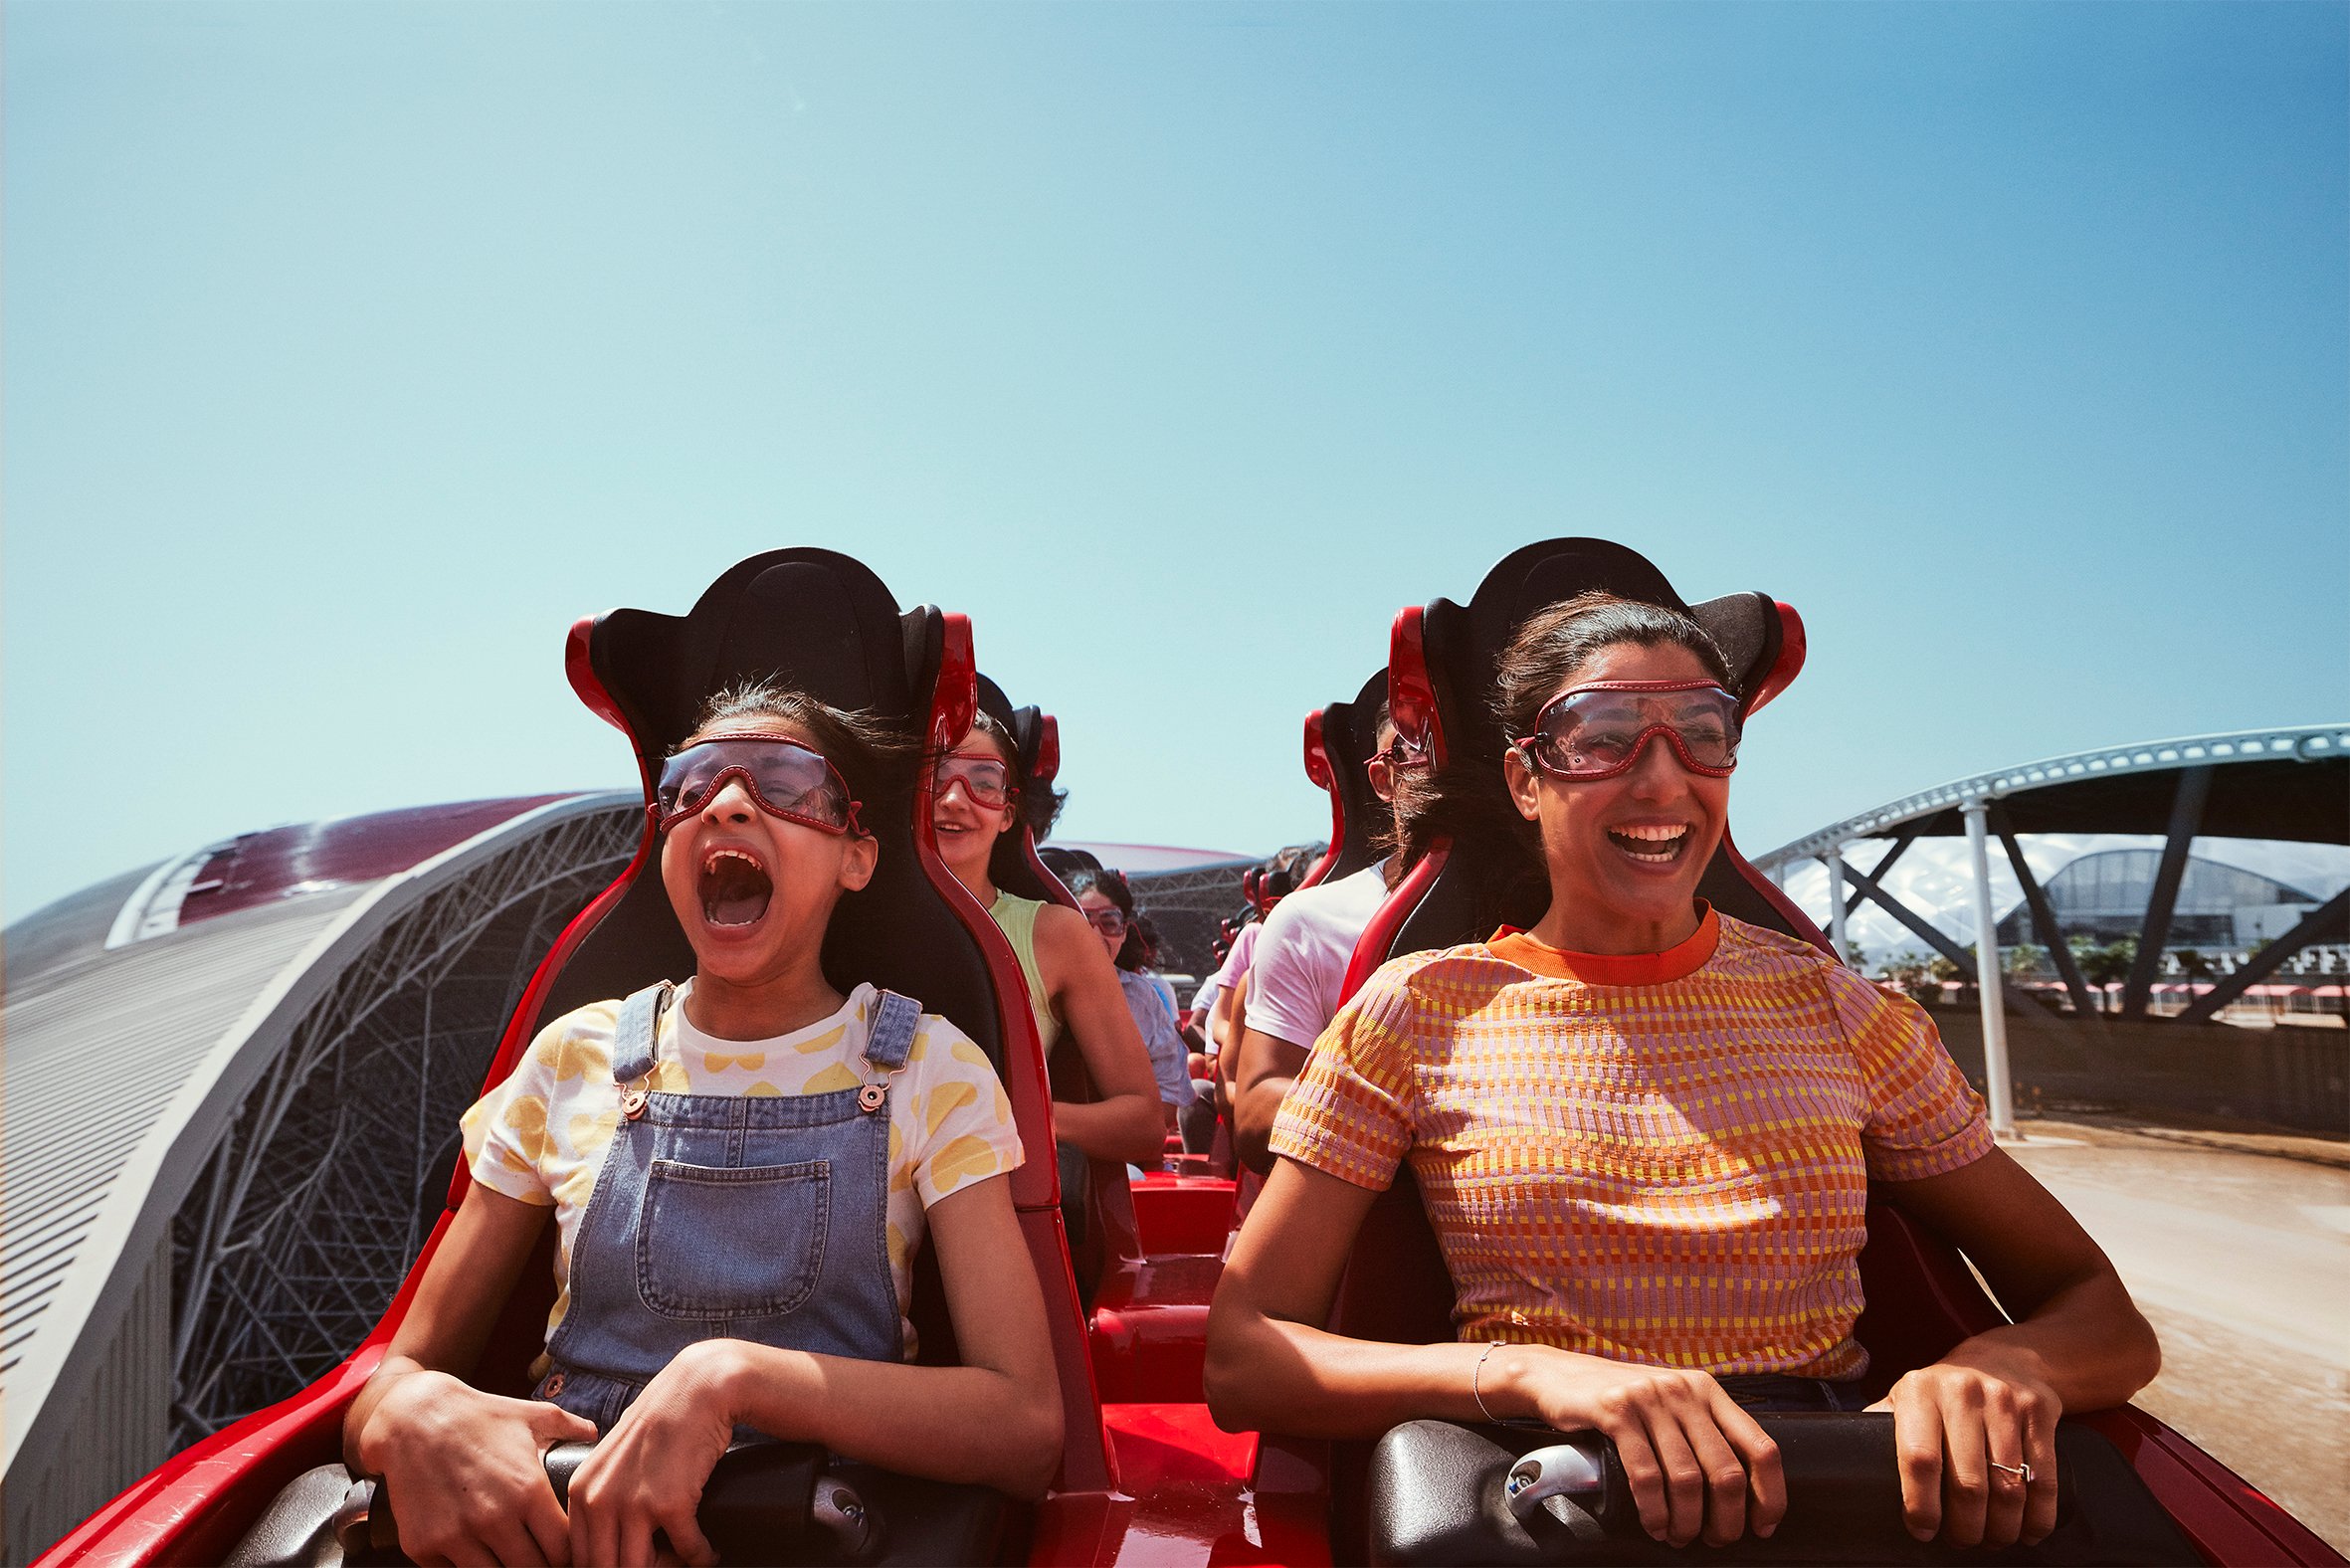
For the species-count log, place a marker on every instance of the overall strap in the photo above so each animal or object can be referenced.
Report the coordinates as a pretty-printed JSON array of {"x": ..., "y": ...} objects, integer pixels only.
[
  {"x": 893, "y": 1034},
  {"x": 637, "y": 1034}
]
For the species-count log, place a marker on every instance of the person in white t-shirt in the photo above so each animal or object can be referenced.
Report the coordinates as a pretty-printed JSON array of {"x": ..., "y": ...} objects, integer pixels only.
[
  {"x": 1298, "y": 971},
  {"x": 1225, "y": 987}
]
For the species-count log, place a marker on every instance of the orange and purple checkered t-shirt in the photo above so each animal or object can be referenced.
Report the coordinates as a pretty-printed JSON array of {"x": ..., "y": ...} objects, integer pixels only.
[{"x": 1662, "y": 1158}]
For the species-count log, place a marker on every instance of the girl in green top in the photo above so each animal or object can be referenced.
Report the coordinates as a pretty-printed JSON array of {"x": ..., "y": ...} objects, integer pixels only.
[{"x": 1073, "y": 988}]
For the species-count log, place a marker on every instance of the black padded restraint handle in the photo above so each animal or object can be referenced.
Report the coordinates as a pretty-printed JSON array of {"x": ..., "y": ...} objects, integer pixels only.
[
  {"x": 760, "y": 1501},
  {"x": 1437, "y": 1496},
  {"x": 760, "y": 1494}
]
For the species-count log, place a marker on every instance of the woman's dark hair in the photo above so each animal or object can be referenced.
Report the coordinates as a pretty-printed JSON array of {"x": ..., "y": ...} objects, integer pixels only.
[
  {"x": 1039, "y": 808},
  {"x": 1141, "y": 946},
  {"x": 1464, "y": 801},
  {"x": 875, "y": 758}
]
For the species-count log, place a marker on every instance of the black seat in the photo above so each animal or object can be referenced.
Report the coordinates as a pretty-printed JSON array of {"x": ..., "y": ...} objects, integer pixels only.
[
  {"x": 1015, "y": 864},
  {"x": 1340, "y": 742}
]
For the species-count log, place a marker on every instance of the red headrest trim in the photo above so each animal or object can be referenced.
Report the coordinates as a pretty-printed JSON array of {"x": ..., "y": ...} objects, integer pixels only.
[{"x": 1411, "y": 695}]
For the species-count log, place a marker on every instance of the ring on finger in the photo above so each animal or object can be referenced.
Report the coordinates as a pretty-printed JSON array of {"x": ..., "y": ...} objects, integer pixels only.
[{"x": 2022, "y": 1472}]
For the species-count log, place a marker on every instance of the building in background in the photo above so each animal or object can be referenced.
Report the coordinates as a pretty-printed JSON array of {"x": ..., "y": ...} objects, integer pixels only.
[{"x": 2104, "y": 896}]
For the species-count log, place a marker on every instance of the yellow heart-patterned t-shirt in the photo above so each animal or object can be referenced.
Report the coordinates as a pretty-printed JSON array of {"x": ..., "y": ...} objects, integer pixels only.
[{"x": 542, "y": 1134}]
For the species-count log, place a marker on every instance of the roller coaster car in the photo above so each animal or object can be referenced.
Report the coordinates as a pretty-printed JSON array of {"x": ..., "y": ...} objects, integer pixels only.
[
  {"x": 1437, "y": 1492},
  {"x": 1145, "y": 1476}
]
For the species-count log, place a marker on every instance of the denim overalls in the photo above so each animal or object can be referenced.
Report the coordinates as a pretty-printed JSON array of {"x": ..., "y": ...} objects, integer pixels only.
[{"x": 730, "y": 1216}]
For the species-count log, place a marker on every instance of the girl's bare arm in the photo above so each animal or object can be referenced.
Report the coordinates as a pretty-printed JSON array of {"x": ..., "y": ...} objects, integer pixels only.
[
  {"x": 1123, "y": 1124},
  {"x": 465, "y": 1468}
]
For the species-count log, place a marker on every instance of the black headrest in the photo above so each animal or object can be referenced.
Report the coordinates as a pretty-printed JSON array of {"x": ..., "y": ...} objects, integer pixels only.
[
  {"x": 1460, "y": 647},
  {"x": 1067, "y": 863},
  {"x": 1465, "y": 642},
  {"x": 1350, "y": 735},
  {"x": 823, "y": 622},
  {"x": 1026, "y": 726},
  {"x": 1012, "y": 865},
  {"x": 814, "y": 619}
]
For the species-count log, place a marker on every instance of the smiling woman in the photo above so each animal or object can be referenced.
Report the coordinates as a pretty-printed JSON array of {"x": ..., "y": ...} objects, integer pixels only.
[{"x": 1644, "y": 1133}]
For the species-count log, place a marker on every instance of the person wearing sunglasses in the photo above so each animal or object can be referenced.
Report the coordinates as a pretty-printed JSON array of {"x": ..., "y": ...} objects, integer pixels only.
[
  {"x": 1300, "y": 968},
  {"x": 1644, "y": 1135},
  {"x": 1107, "y": 904},
  {"x": 1073, "y": 988},
  {"x": 709, "y": 1286}
]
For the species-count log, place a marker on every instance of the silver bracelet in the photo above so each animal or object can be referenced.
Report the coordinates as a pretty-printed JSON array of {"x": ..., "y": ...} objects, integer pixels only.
[{"x": 1476, "y": 1374}]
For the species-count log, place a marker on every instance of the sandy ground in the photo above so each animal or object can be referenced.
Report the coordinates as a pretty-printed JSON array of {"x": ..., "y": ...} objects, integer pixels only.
[{"x": 2242, "y": 1261}]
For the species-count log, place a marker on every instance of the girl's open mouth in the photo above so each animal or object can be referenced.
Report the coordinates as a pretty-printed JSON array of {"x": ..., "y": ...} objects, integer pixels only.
[
  {"x": 735, "y": 889},
  {"x": 1656, "y": 845}
]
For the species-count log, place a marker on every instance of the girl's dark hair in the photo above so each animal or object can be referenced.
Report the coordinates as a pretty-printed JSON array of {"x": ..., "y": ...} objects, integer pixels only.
[
  {"x": 1039, "y": 808},
  {"x": 874, "y": 756},
  {"x": 1464, "y": 801},
  {"x": 1141, "y": 946}
]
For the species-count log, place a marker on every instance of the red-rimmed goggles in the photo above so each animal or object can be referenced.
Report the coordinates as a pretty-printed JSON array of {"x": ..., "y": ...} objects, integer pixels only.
[
  {"x": 787, "y": 779},
  {"x": 986, "y": 782},
  {"x": 1599, "y": 730}
]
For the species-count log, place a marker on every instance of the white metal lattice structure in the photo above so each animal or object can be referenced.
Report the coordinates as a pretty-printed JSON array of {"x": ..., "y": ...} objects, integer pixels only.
[{"x": 2308, "y": 743}]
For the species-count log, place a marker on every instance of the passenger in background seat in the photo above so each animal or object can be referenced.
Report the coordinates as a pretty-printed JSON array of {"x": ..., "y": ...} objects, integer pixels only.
[
  {"x": 1645, "y": 1135},
  {"x": 1221, "y": 1004},
  {"x": 1109, "y": 905},
  {"x": 1301, "y": 969},
  {"x": 1073, "y": 988},
  {"x": 740, "y": 1169}
]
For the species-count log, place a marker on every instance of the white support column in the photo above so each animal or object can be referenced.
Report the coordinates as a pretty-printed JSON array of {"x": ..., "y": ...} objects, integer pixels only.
[
  {"x": 1834, "y": 860},
  {"x": 1988, "y": 978}
]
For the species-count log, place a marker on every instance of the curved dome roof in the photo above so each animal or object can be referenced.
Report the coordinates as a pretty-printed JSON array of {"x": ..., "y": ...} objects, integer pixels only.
[{"x": 143, "y": 1019}]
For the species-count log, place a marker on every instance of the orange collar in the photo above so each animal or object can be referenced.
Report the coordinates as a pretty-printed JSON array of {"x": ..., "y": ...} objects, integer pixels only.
[{"x": 1682, "y": 958}]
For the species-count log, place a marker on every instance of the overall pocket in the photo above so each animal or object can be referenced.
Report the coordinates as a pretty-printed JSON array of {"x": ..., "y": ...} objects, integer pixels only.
[{"x": 732, "y": 1240}]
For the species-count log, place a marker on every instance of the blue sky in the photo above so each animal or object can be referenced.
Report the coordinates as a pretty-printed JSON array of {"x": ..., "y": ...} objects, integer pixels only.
[{"x": 351, "y": 352}]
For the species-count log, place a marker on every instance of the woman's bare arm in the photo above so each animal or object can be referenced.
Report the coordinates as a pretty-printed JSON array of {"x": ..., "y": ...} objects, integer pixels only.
[
  {"x": 1267, "y": 1068},
  {"x": 2075, "y": 1323},
  {"x": 1973, "y": 1426},
  {"x": 1698, "y": 1465},
  {"x": 1270, "y": 1364},
  {"x": 1123, "y": 1124}
]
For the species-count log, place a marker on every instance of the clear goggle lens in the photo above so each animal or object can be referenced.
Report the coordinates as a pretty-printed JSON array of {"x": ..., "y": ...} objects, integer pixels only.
[
  {"x": 786, "y": 779},
  {"x": 986, "y": 782},
  {"x": 1598, "y": 732}
]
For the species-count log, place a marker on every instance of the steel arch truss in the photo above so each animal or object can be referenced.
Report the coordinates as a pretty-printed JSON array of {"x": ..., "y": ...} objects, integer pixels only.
[{"x": 294, "y": 1237}]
